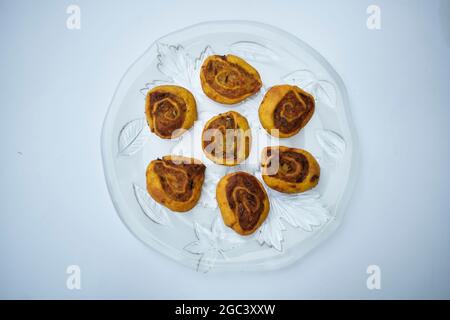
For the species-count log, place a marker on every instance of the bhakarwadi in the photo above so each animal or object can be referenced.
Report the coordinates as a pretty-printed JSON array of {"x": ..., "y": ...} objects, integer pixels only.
[
  {"x": 243, "y": 202},
  {"x": 229, "y": 79},
  {"x": 289, "y": 170},
  {"x": 170, "y": 110},
  {"x": 226, "y": 138},
  {"x": 285, "y": 110},
  {"x": 175, "y": 182}
]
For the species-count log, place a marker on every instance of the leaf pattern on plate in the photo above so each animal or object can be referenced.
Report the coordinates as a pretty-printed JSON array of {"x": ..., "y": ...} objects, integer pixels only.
[
  {"x": 208, "y": 51},
  {"x": 154, "y": 83},
  {"x": 253, "y": 51},
  {"x": 156, "y": 212},
  {"x": 175, "y": 63},
  {"x": 132, "y": 137},
  {"x": 210, "y": 245},
  {"x": 303, "y": 210},
  {"x": 212, "y": 176},
  {"x": 249, "y": 109},
  {"x": 331, "y": 142},
  {"x": 180, "y": 68},
  {"x": 323, "y": 91}
]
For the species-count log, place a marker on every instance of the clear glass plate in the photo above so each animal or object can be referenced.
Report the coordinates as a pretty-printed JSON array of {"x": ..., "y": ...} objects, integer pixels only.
[{"x": 198, "y": 238}]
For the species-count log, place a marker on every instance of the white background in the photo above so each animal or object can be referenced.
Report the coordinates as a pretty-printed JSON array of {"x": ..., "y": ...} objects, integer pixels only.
[{"x": 56, "y": 85}]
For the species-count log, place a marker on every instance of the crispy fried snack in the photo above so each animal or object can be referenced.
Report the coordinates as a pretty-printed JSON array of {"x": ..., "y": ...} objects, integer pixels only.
[
  {"x": 243, "y": 202},
  {"x": 176, "y": 182},
  {"x": 289, "y": 170},
  {"x": 170, "y": 110},
  {"x": 226, "y": 138},
  {"x": 285, "y": 110},
  {"x": 229, "y": 79}
]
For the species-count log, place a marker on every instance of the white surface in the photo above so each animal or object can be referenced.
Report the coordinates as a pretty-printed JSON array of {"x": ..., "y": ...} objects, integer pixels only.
[{"x": 56, "y": 85}]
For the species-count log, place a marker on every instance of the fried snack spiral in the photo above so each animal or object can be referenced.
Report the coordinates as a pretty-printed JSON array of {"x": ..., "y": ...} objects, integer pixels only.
[
  {"x": 229, "y": 79},
  {"x": 175, "y": 182},
  {"x": 289, "y": 170},
  {"x": 285, "y": 110},
  {"x": 170, "y": 110},
  {"x": 226, "y": 139},
  {"x": 243, "y": 202}
]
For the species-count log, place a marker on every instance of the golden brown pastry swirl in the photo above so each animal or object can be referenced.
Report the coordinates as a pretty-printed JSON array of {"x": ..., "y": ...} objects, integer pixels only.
[
  {"x": 289, "y": 170},
  {"x": 243, "y": 202},
  {"x": 170, "y": 110},
  {"x": 175, "y": 181},
  {"x": 285, "y": 110},
  {"x": 226, "y": 138},
  {"x": 229, "y": 79}
]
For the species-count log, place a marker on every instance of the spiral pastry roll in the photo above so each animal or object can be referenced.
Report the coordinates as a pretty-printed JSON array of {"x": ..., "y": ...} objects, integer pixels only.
[
  {"x": 229, "y": 79},
  {"x": 175, "y": 182},
  {"x": 243, "y": 202},
  {"x": 226, "y": 139},
  {"x": 285, "y": 110},
  {"x": 170, "y": 110},
  {"x": 289, "y": 170}
]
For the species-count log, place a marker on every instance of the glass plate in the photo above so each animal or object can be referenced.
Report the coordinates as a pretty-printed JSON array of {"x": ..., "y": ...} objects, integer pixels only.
[{"x": 198, "y": 238}]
